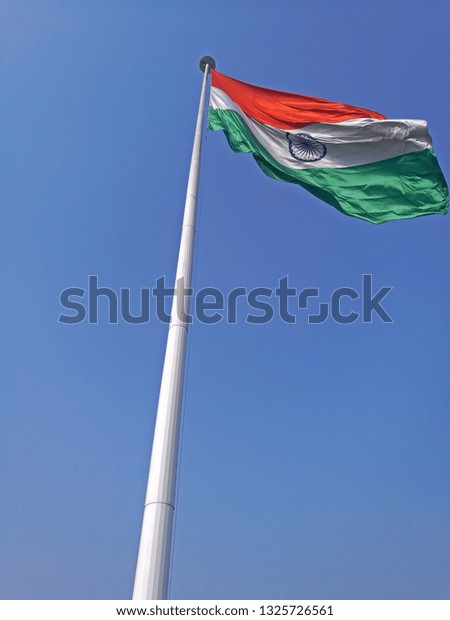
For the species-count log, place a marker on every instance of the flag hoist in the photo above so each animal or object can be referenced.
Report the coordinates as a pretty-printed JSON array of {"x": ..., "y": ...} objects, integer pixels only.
[{"x": 152, "y": 571}]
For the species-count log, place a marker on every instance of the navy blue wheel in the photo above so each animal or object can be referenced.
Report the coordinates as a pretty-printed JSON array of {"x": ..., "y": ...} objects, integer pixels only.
[{"x": 304, "y": 147}]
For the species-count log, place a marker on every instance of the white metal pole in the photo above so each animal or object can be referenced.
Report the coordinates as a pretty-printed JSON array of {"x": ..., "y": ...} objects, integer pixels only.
[{"x": 152, "y": 571}]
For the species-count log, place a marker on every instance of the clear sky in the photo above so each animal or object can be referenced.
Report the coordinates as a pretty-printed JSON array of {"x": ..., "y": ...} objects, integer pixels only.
[{"x": 315, "y": 458}]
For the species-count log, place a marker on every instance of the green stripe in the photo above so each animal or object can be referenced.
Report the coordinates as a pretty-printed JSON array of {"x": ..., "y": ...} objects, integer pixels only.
[{"x": 397, "y": 188}]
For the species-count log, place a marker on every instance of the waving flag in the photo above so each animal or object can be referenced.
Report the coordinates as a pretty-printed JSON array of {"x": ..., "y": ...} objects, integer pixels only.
[{"x": 356, "y": 160}]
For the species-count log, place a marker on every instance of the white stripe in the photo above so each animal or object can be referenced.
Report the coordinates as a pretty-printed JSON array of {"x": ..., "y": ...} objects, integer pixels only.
[{"x": 349, "y": 143}]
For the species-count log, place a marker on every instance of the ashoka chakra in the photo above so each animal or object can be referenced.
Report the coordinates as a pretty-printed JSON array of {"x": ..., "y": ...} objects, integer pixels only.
[{"x": 305, "y": 148}]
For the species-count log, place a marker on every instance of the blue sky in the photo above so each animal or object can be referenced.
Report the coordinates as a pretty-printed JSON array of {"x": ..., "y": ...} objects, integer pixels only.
[{"x": 315, "y": 460}]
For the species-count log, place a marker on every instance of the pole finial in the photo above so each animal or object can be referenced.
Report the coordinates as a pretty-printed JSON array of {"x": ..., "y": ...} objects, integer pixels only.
[{"x": 207, "y": 60}]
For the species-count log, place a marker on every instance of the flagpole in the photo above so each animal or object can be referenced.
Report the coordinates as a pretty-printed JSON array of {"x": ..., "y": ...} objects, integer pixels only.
[{"x": 153, "y": 564}]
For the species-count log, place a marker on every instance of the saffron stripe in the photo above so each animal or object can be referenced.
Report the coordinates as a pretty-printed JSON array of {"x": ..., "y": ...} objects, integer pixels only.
[{"x": 286, "y": 110}]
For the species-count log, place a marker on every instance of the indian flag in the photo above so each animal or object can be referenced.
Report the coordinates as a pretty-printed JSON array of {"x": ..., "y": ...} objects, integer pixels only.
[{"x": 356, "y": 160}]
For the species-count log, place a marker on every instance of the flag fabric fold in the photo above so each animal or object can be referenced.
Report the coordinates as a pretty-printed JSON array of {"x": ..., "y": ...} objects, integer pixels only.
[{"x": 354, "y": 159}]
